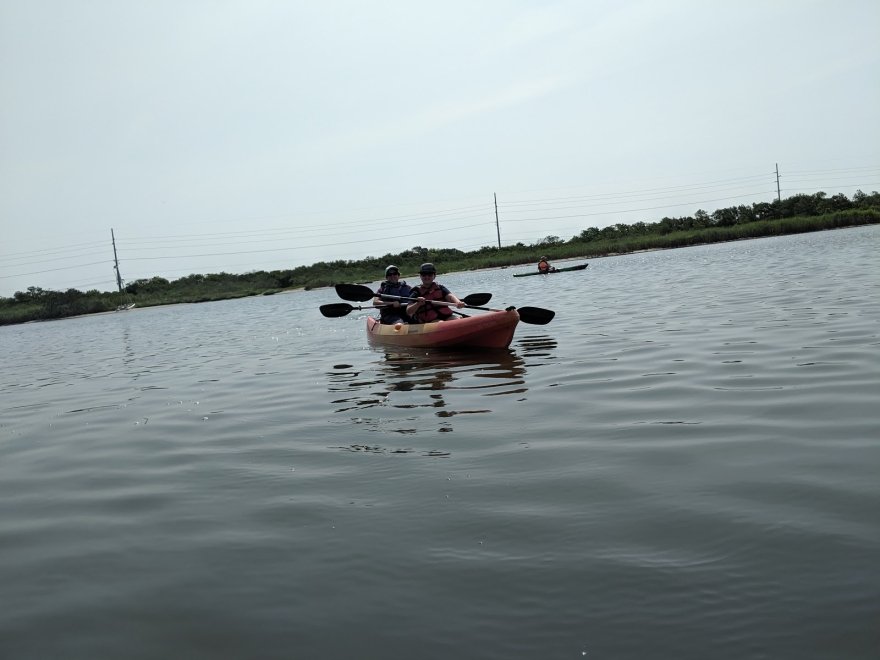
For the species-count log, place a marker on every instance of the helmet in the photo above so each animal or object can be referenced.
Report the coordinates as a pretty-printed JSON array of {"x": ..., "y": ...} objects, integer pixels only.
[
  {"x": 543, "y": 259},
  {"x": 427, "y": 268},
  {"x": 392, "y": 268}
]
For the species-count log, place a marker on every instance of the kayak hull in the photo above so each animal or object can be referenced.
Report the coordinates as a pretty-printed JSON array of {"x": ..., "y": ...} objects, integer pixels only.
[
  {"x": 492, "y": 330},
  {"x": 555, "y": 270}
]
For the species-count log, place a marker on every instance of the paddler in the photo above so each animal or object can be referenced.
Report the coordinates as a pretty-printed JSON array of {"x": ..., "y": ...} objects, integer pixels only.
[
  {"x": 422, "y": 311},
  {"x": 391, "y": 310}
]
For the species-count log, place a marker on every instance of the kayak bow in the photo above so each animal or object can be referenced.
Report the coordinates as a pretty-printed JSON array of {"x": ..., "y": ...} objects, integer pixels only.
[{"x": 492, "y": 330}]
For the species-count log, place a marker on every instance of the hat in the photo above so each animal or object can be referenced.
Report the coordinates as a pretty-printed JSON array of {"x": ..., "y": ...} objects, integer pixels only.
[
  {"x": 392, "y": 268},
  {"x": 427, "y": 268}
]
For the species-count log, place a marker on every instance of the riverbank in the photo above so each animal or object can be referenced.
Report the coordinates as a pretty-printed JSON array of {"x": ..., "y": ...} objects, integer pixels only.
[{"x": 40, "y": 305}]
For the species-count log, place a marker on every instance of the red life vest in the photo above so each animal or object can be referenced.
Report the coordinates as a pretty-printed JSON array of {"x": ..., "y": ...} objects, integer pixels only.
[{"x": 430, "y": 313}]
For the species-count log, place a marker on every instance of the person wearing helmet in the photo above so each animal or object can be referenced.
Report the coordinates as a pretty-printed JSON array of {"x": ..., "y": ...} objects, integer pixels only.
[
  {"x": 392, "y": 310},
  {"x": 544, "y": 265},
  {"x": 422, "y": 311}
]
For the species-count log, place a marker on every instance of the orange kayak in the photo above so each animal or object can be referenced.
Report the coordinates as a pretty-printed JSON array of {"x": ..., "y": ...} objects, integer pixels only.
[{"x": 492, "y": 330}]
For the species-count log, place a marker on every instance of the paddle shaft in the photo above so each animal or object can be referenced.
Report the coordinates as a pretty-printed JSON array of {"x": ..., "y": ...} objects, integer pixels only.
[
  {"x": 533, "y": 315},
  {"x": 433, "y": 302},
  {"x": 403, "y": 307},
  {"x": 438, "y": 302},
  {"x": 335, "y": 310},
  {"x": 362, "y": 293}
]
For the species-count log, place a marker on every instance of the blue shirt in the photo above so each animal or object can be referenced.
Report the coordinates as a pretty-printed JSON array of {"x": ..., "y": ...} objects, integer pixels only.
[{"x": 393, "y": 314}]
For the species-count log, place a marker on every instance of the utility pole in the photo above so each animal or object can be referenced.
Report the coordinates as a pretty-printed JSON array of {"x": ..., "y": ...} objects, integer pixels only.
[
  {"x": 778, "y": 193},
  {"x": 497, "y": 226},
  {"x": 116, "y": 261}
]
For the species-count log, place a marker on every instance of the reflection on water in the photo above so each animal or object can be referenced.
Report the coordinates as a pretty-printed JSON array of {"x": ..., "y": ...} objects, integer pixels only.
[
  {"x": 535, "y": 347},
  {"x": 390, "y": 394},
  {"x": 692, "y": 468},
  {"x": 128, "y": 356}
]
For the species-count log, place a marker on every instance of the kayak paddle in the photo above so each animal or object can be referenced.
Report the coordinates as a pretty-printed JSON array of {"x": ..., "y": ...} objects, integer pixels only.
[
  {"x": 533, "y": 315},
  {"x": 335, "y": 310},
  {"x": 360, "y": 293},
  {"x": 356, "y": 292},
  {"x": 470, "y": 300}
]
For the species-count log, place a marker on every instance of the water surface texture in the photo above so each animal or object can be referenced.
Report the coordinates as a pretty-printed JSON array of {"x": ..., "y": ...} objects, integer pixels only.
[{"x": 683, "y": 464}]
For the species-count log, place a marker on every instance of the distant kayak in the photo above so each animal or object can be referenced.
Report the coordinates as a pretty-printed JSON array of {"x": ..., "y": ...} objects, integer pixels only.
[{"x": 552, "y": 270}]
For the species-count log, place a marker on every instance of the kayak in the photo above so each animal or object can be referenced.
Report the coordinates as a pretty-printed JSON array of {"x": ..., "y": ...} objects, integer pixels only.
[
  {"x": 492, "y": 330},
  {"x": 553, "y": 270}
]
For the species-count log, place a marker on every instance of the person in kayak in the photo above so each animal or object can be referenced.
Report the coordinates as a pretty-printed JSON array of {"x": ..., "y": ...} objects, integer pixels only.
[
  {"x": 392, "y": 311},
  {"x": 544, "y": 266},
  {"x": 422, "y": 311}
]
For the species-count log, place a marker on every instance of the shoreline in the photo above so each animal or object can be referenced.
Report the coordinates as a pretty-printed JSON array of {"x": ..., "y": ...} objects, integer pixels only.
[{"x": 681, "y": 240}]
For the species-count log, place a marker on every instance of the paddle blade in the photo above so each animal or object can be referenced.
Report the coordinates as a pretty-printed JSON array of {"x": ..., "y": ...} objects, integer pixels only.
[
  {"x": 335, "y": 310},
  {"x": 535, "y": 315},
  {"x": 477, "y": 299},
  {"x": 356, "y": 292}
]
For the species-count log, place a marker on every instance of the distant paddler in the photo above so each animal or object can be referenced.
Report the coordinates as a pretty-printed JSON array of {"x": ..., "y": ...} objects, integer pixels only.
[{"x": 544, "y": 266}]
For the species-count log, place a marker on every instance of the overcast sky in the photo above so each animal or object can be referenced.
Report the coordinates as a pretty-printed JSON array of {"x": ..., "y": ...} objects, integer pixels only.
[{"x": 261, "y": 134}]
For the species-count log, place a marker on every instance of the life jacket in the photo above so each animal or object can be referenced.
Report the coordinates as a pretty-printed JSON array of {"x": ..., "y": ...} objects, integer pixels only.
[
  {"x": 393, "y": 314},
  {"x": 543, "y": 267},
  {"x": 430, "y": 313}
]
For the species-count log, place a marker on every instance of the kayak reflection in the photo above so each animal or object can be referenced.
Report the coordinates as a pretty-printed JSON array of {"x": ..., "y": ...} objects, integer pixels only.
[
  {"x": 536, "y": 348},
  {"x": 412, "y": 392},
  {"x": 459, "y": 370}
]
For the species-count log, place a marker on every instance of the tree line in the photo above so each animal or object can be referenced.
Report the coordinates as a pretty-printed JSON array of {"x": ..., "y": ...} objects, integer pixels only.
[{"x": 795, "y": 214}]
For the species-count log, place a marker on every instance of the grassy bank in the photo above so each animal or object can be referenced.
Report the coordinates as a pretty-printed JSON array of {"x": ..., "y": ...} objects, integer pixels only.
[{"x": 39, "y": 304}]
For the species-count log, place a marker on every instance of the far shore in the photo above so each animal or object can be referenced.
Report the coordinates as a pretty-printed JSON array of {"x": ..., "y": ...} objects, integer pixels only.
[{"x": 40, "y": 305}]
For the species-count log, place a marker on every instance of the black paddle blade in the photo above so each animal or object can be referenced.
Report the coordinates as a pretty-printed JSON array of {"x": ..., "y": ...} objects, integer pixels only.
[
  {"x": 477, "y": 299},
  {"x": 335, "y": 310},
  {"x": 356, "y": 292},
  {"x": 535, "y": 315}
]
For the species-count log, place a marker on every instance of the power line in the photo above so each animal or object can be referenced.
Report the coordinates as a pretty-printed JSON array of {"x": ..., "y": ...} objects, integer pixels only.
[
  {"x": 42, "y": 251},
  {"x": 845, "y": 169},
  {"x": 54, "y": 259},
  {"x": 540, "y": 210},
  {"x": 428, "y": 215},
  {"x": 646, "y": 199},
  {"x": 295, "y": 233},
  {"x": 52, "y": 270},
  {"x": 634, "y": 210},
  {"x": 301, "y": 247},
  {"x": 647, "y": 191}
]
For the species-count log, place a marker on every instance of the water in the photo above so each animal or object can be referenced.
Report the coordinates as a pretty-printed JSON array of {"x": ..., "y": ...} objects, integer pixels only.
[{"x": 683, "y": 464}]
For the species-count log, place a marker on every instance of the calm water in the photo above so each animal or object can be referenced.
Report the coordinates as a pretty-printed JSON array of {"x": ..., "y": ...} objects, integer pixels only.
[{"x": 683, "y": 464}]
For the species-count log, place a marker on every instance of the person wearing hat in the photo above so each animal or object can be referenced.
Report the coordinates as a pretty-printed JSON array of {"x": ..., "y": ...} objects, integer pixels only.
[
  {"x": 391, "y": 310},
  {"x": 544, "y": 265},
  {"x": 422, "y": 311}
]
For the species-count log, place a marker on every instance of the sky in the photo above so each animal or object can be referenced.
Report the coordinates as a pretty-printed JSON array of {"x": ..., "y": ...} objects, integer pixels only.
[{"x": 239, "y": 135}]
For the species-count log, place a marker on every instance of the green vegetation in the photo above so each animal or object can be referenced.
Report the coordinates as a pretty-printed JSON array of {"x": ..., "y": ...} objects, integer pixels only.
[{"x": 797, "y": 214}]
